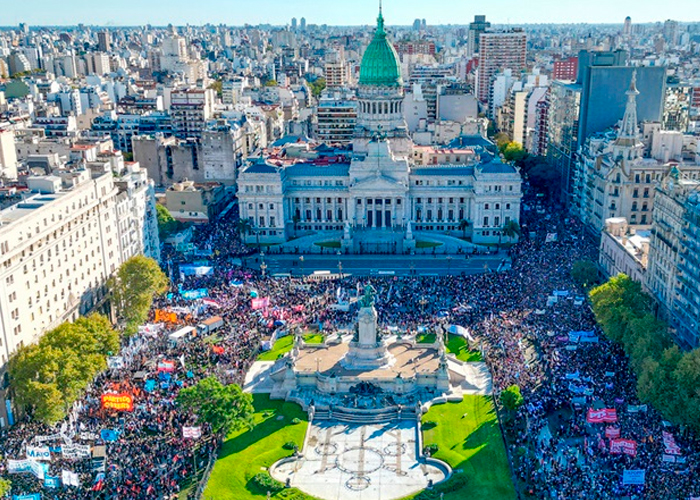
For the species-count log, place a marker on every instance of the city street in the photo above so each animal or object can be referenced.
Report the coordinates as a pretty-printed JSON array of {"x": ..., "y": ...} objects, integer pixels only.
[{"x": 366, "y": 265}]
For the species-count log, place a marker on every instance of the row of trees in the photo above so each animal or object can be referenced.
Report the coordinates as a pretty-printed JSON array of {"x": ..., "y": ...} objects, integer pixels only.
[
  {"x": 667, "y": 378},
  {"x": 48, "y": 377}
]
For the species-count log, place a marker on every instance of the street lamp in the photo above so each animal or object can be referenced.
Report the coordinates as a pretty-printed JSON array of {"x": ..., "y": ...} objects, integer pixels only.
[
  {"x": 422, "y": 303},
  {"x": 412, "y": 267},
  {"x": 301, "y": 261},
  {"x": 340, "y": 265},
  {"x": 263, "y": 266},
  {"x": 449, "y": 263}
]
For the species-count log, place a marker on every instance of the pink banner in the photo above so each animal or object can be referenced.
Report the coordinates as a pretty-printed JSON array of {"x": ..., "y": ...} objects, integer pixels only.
[
  {"x": 626, "y": 446},
  {"x": 670, "y": 444},
  {"x": 612, "y": 432},
  {"x": 166, "y": 366},
  {"x": 605, "y": 415},
  {"x": 260, "y": 303}
]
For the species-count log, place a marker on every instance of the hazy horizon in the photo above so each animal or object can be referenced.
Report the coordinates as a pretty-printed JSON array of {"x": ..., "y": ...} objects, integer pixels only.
[{"x": 346, "y": 13}]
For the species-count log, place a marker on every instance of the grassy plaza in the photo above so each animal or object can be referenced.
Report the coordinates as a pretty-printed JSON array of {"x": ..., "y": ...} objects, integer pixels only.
[{"x": 466, "y": 434}]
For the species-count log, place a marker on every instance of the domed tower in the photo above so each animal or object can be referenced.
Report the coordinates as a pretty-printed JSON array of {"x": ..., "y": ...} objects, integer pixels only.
[{"x": 380, "y": 95}]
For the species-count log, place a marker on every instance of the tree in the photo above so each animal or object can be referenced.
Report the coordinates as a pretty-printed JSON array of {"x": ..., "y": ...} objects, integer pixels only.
[
  {"x": 5, "y": 486},
  {"x": 48, "y": 377},
  {"x": 463, "y": 226},
  {"x": 317, "y": 86},
  {"x": 511, "y": 398},
  {"x": 584, "y": 273},
  {"x": 225, "y": 408},
  {"x": 514, "y": 151},
  {"x": 167, "y": 224},
  {"x": 218, "y": 87},
  {"x": 133, "y": 288},
  {"x": 687, "y": 377},
  {"x": 511, "y": 229},
  {"x": 502, "y": 140},
  {"x": 244, "y": 226}
]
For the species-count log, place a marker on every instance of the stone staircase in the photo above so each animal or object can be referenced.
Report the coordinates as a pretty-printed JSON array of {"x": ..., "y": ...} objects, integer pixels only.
[{"x": 365, "y": 416}]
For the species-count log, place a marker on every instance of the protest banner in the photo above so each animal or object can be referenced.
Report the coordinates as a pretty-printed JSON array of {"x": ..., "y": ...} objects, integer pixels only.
[
  {"x": 165, "y": 316},
  {"x": 28, "y": 496},
  {"x": 191, "y": 432},
  {"x": 671, "y": 448},
  {"x": 612, "y": 432},
  {"x": 76, "y": 451},
  {"x": 633, "y": 476},
  {"x": 166, "y": 366},
  {"x": 38, "y": 453},
  {"x": 51, "y": 482},
  {"x": 259, "y": 303},
  {"x": 115, "y": 362},
  {"x": 626, "y": 446},
  {"x": 18, "y": 466},
  {"x": 604, "y": 415},
  {"x": 108, "y": 435},
  {"x": 69, "y": 478},
  {"x": 119, "y": 402}
]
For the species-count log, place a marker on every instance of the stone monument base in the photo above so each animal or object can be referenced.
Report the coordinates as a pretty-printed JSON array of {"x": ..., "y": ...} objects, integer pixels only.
[{"x": 363, "y": 357}]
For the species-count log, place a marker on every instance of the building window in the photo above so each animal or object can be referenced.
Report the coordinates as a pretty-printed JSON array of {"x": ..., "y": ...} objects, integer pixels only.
[
  {"x": 486, "y": 206},
  {"x": 486, "y": 221}
]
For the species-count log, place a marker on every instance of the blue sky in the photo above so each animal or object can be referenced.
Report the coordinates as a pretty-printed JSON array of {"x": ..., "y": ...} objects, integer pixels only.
[{"x": 345, "y": 12}]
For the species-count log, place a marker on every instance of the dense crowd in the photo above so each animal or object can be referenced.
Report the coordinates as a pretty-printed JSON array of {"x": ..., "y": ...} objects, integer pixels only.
[{"x": 555, "y": 452}]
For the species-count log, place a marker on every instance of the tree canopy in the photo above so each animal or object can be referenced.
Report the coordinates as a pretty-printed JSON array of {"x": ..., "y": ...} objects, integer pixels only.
[
  {"x": 48, "y": 377},
  {"x": 511, "y": 398},
  {"x": 224, "y": 407},
  {"x": 133, "y": 288},
  {"x": 167, "y": 224},
  {"x": 667, "y": 378}
]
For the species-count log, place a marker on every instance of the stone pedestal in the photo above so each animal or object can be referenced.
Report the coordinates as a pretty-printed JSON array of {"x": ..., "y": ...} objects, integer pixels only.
[{"x": 368, "y": 352}]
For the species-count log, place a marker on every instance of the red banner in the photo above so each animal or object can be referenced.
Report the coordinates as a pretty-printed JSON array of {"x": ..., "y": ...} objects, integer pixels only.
[
  {"x": 119, "y": 402},
  {"x": 612, "y": 432},
  {"x": 605, "y": 415},
  {"x": 626, "y": 446}
]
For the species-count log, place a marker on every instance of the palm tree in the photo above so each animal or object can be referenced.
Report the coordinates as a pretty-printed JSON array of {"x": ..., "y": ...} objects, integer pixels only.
[
  {"x": 510, "y": 229},
  {"x": 463, "y": 225},
  {"x": 244, "y": 226},
  {"x": 295, "y": 220}
]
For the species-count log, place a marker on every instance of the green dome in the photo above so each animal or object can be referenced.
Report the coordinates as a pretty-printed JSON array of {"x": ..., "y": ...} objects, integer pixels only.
[{"x": 380, "y": 63}]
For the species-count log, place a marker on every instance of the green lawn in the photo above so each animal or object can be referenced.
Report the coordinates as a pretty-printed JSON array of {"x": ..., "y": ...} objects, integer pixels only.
[
  {"x": 459, "y": 346},
  {"x": 280, "y": 347},
  {"x": 469, "y": 439},
  {"x": 313, "y": 338},
  {"x": 426, "y": 338},
  {"x": 427, "y": 244},
  {"x": 247, "y": 452}
]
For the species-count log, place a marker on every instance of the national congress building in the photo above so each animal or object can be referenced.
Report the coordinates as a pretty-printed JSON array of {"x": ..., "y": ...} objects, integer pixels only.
[{"x": 383, "y": 182}]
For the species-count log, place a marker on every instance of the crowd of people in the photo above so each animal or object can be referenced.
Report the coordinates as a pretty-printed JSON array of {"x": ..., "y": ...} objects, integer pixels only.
[{"x": 522, "y": 332}]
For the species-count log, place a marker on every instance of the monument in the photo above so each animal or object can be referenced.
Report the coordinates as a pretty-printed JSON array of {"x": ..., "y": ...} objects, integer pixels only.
[{"x": 367, "y": 352}]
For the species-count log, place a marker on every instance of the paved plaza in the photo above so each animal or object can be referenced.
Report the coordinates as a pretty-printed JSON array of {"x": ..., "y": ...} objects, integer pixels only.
[{"x": 359, "y": 462}]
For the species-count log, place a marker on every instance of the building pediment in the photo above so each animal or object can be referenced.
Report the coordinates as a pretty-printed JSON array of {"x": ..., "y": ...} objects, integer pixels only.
[{"x": 378, "y": 183}]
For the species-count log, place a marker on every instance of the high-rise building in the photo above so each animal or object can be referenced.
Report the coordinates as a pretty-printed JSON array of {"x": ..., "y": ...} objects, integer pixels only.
[
  {"x": 335, "y": 120},
  {"x": 673, "y": 276},
  {"x": 595, "y": 103},
  {"x": 302, "y": 24},
  {"x": 190, "y": 109},
  {"x": 416, "y": 25},
  {"x": 104, "y": 41},
  {"x": 475, "y": 30},
  {"x": 565, "y": 69},
  {"x": 627, "y": 27},
  {"x": 498, "y": 51},
  {"x": 671, "y": 34},
  {"x": 18, "y": 63},
  {"x": 294, "y": 24}
]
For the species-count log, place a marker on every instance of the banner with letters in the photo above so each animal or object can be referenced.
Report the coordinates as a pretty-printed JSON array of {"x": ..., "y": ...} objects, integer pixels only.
[
  {"x": 191, "y": 432},
  {"x": 76, "y": 451},
  {"x": 28, "y": 496},
  {"x": 626, "y": 446},
  {"x": 166, "y": 366},
  {"x": 38, "y": 453},
  {"x": 115, "y": 362},
  {"x": 604, "y": 415},
  {"x": 633, "y": 476},
  {"x": 260, "y": 303},
  {"x": 671, "y": 448},
  {"x": 612, "y": 432},
  {"x": 69, "y": 478},
  {"x": 118, "y": 402}
]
